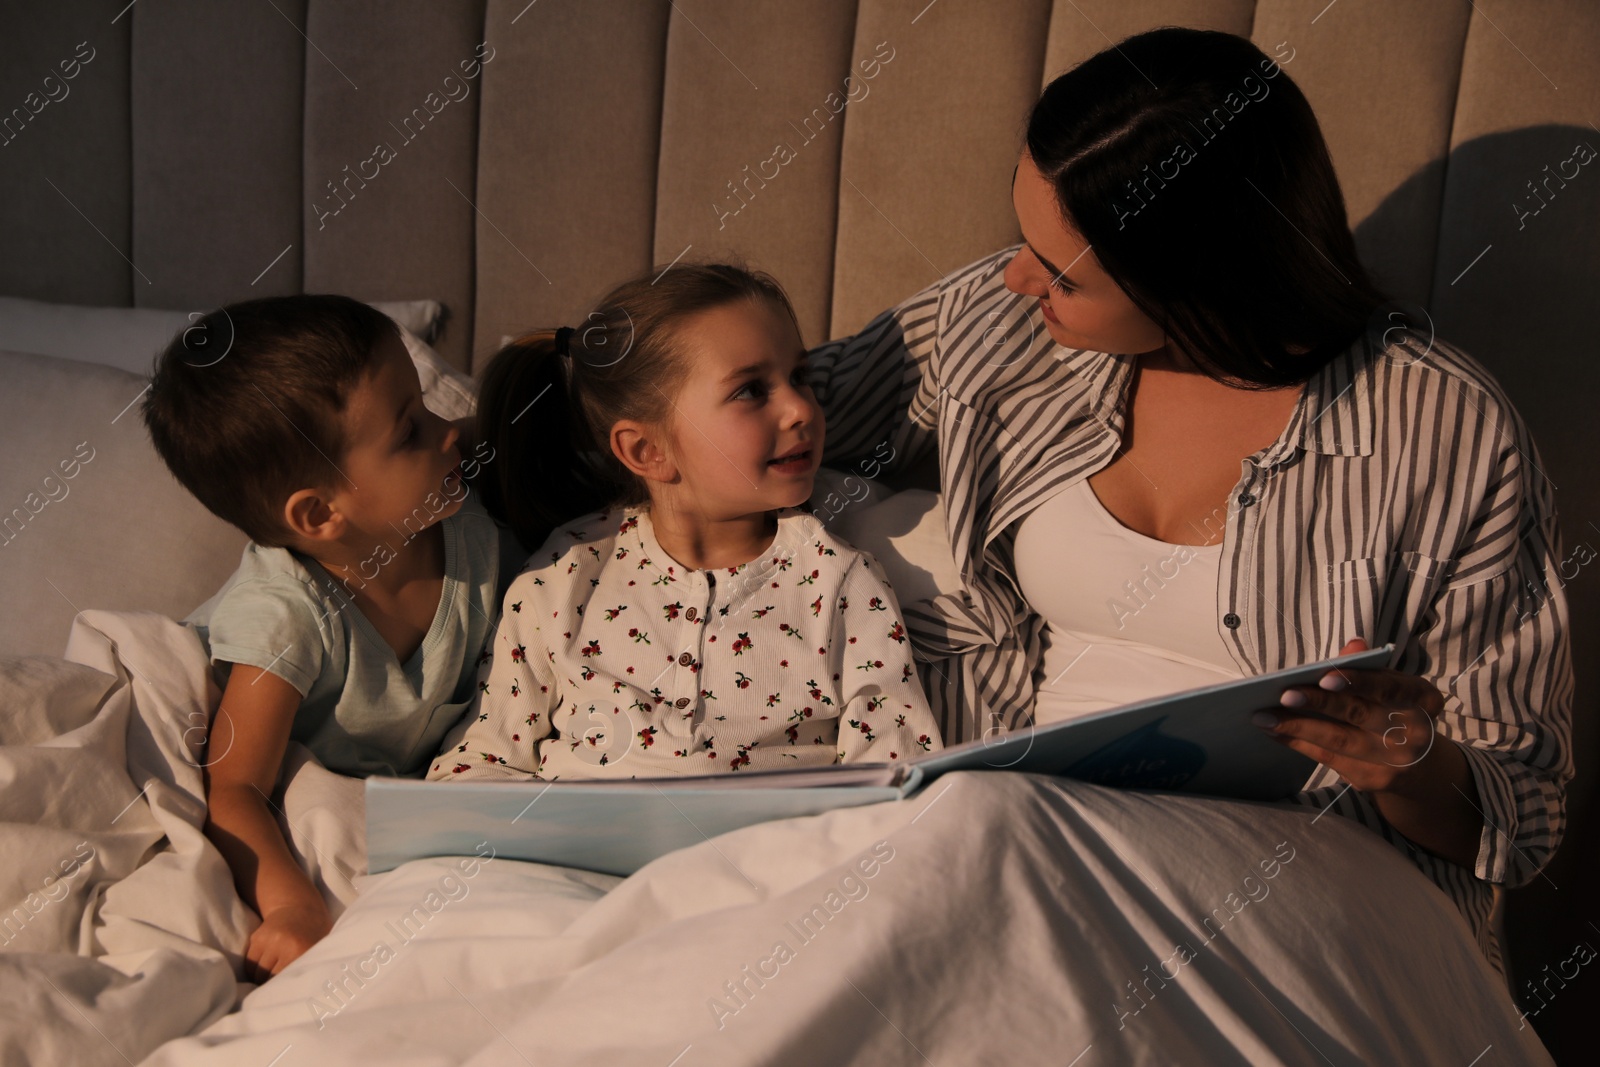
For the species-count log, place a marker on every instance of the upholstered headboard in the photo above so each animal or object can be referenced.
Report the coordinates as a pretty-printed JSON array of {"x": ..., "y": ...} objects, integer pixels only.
[{"x": 513, "y": 158}]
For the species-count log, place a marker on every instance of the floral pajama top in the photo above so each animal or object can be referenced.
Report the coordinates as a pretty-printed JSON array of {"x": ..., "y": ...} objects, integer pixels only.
[{"x": 613, "y": 660}]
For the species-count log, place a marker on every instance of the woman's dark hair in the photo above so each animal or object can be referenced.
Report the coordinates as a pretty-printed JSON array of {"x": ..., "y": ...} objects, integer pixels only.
[
  {"x": 1195, "y": 169},
  {"x": 550, "y": 425}
]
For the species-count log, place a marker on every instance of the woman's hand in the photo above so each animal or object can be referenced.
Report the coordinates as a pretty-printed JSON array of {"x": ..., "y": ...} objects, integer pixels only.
[{"x": 1376, "y": 729}]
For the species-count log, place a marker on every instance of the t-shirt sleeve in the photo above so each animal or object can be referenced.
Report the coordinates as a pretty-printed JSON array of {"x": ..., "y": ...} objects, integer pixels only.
[{"x": 273, "y": 623}]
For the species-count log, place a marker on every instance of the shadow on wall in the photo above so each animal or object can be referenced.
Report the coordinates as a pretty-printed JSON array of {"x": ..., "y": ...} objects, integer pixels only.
[{"x": 1517, "y": 268}]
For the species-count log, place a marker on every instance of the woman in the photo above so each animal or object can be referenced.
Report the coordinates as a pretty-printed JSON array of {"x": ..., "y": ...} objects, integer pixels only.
[{"x": 1173, "y": 449}]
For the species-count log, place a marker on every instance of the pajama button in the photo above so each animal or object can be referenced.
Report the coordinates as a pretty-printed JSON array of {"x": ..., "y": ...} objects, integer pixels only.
[
  {"x": 691, "y": 614},
  {"x": 1246, "y": 499},
  {"x": 685, "y": 659},
  {"x": 1231, "y": 621},
  {"x": 681, "y": 702}
]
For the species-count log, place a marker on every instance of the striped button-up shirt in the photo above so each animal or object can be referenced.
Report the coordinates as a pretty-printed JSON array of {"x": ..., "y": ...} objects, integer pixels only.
[{"x": 1404, "y": 502}]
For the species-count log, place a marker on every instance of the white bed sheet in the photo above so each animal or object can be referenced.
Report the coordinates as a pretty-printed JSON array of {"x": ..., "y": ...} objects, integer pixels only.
[
  {"x": 1004, "y": 920},
  {"x": 119, "y": 924},
  {"x": 997, "y": 918}
]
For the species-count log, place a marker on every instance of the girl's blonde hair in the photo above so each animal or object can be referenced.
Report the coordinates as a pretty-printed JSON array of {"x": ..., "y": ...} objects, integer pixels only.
[{"x": 548, "y": 414}]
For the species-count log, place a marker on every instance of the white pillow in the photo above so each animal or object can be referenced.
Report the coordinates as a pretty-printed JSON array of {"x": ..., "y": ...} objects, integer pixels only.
[
  {"x": 904, "y": 531},
  {"x": 131, "y": 338},
  {"x": 446, "y": 391},
  {"x": 89, "y": 515}
]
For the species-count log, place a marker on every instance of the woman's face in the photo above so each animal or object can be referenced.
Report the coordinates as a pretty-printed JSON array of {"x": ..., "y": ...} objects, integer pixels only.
[{"x": 1083, "y": 307}]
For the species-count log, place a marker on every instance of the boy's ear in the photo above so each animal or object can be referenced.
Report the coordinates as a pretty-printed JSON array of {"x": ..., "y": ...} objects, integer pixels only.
[
  {"x": 310, "y": 517},
  {"x": 639, "y": 448}
]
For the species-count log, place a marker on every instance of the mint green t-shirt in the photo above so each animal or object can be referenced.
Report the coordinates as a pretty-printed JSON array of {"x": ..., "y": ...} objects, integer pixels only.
[{"x": 362, "y": 711}]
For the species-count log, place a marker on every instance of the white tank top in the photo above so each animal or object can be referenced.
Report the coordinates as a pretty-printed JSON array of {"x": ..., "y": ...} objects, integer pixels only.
[{"x": 1129, "y": 617}]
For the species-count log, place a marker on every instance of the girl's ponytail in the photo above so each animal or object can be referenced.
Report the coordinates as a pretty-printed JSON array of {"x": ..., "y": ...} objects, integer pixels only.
[{"x": 527, "y": 414}]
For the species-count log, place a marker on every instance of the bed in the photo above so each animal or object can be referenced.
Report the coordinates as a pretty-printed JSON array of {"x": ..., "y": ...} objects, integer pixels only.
[
  {"x": 997, "y": 917},
  {"x": 1008, "y": 919}
]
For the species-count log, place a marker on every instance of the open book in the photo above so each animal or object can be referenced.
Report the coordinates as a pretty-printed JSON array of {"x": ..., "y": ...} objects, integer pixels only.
[{"x": 1198, "y": 741}]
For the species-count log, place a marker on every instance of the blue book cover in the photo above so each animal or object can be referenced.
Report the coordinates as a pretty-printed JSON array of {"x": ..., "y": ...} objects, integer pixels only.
[{"x": 1198, "y": 741}]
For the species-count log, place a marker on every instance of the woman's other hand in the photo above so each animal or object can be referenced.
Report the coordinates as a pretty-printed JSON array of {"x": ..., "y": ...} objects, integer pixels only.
[{"x": 1375, "y": 728}]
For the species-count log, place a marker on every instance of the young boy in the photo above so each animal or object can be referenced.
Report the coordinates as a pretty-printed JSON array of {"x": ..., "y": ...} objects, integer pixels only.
[{"x": 355, "y": 620}]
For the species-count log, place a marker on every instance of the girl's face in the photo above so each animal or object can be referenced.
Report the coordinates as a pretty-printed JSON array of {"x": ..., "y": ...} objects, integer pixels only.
[
  {"x": 745, "y": 431},
  {"x": 1082, "y": 306}
]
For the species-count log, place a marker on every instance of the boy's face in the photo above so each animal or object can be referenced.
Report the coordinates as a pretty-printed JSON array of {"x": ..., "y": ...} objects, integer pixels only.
[
  {"x": 401, "y": 464},
  {"x": 745, "y": 403}
]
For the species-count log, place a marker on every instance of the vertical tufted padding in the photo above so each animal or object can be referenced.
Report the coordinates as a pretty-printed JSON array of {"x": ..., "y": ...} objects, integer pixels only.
[
  {"x": 1515, "y": 280},
  {"x": 218, "y": 94},
  {"x": 1080, "y": 28},
  {"x": 70, "y": 242},
  {"x": 1511, "y": 123},
  {"x": 925, "y": 175},
  {"x": 570, "y": 129},
  {"x": 1382, "y": 79},
  {"x": 753, "y": 108},
  {"x": 385, "y": 81},
  {"x": 1519, "y": 266}
]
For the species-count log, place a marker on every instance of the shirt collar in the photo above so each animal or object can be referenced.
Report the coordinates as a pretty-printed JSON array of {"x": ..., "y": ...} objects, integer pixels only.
[
  {"x": 637, "y": 533},
  {"x": 1110, "y": 378},
  {"x": 1334, "y": 416},
  {"x": 635, "y": 526}
]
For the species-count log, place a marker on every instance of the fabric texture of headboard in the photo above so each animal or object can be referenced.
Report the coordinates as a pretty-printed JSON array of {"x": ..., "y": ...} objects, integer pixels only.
[{"x": 512, "y": 159}]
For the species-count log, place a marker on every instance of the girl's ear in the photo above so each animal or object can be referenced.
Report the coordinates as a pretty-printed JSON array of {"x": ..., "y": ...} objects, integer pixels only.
[
  {"x": 310, "y": 517},
  {"x": 639, "y": 447}
]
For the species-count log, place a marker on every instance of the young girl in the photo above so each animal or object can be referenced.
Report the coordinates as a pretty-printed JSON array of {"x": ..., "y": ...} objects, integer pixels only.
[{"x": 691, "y": 620}]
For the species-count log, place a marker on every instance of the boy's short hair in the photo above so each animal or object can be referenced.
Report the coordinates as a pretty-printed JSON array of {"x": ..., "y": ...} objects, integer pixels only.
[{"x": 244, "y": 404}]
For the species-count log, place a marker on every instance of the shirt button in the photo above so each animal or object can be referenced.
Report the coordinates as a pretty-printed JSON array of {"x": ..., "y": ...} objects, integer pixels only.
[
  {"x": 685, "y": 659},
  {"x": 1246, "y": 499},
  {"x": 691, "y": 614},
  {"x": 681, "y": 702},
  {"x": 1231, "y": 621}
]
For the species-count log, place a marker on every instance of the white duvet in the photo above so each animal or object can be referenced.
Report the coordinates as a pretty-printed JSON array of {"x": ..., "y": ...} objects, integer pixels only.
[{"x": 996, "y": 918}]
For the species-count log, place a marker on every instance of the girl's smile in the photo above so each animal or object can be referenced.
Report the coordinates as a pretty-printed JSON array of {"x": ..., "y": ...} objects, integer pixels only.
[{"x": 799, "y": 463}]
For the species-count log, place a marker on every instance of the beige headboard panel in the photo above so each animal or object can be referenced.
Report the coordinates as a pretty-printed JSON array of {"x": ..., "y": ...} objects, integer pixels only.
[{"x": 209, "y": 152}]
